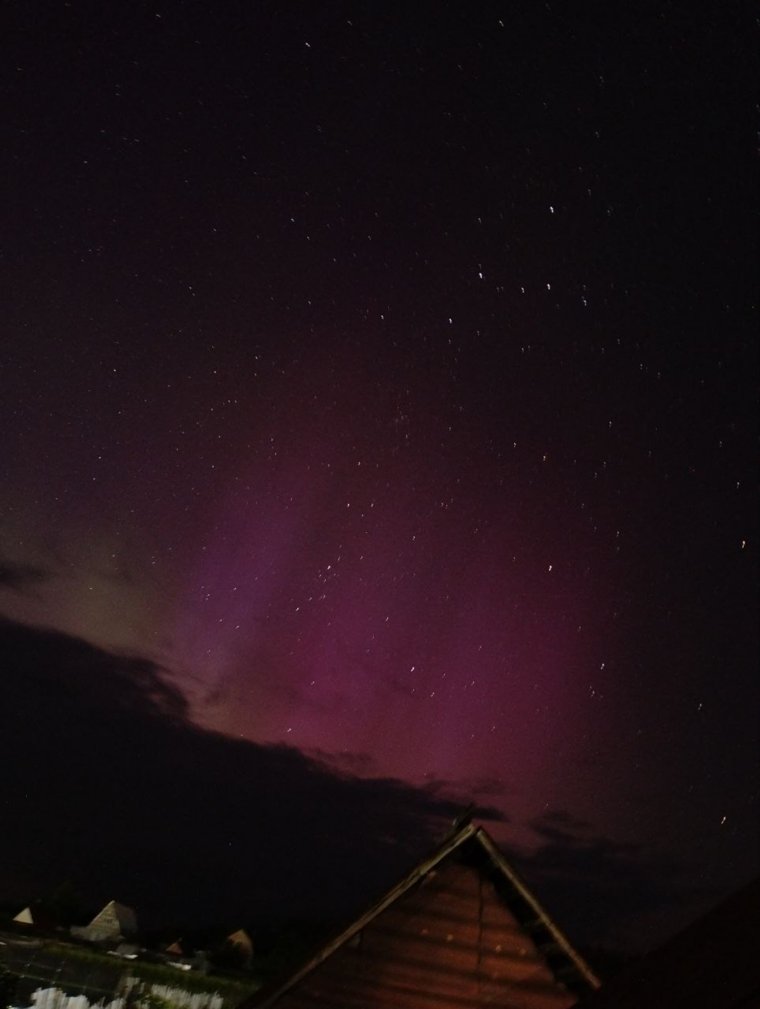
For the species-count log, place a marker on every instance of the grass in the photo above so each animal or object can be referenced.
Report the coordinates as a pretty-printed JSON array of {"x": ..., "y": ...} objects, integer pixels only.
[{"x": 232, "y": 990}]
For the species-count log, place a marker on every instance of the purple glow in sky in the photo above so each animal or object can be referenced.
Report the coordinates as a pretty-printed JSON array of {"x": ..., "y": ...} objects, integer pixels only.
[{"x": 386, "y": 380}]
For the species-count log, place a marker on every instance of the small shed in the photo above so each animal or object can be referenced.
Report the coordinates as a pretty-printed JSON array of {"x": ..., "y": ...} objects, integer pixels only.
[{"x": 461, "y": 931}]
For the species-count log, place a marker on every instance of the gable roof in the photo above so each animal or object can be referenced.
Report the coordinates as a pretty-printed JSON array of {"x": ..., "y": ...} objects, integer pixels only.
[
  {"x": 112, "y": 923},
  {"x": 240, "y": 938},
  {"x": 462, "y": 929},
  {"x": 36, "y": 915},
  {"x": 115, "y": 916},
  {"x": 712, "y": 964}
]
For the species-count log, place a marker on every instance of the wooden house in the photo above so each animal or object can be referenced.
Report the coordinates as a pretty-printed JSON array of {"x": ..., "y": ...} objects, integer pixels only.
[{"x": 462, "y": 931}]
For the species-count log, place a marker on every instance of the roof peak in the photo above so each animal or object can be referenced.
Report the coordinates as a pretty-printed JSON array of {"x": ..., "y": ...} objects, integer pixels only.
[{"x": 514, "y": 893}]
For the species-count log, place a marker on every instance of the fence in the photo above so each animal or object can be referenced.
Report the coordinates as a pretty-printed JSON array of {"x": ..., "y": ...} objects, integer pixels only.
[
  {"x": 136, "y": 995},
  {"x": 44, "y": 978}
]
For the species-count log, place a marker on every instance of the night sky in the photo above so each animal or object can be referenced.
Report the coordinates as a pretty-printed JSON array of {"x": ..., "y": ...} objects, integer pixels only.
[{"x": 379, "y": 424}]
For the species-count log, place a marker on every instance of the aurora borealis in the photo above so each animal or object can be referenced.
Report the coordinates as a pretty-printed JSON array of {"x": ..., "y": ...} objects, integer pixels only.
[{"x": 386, "y": 379}]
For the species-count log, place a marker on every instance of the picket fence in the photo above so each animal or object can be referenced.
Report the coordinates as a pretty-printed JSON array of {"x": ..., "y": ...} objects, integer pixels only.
[{"x": 175, "y": 998}]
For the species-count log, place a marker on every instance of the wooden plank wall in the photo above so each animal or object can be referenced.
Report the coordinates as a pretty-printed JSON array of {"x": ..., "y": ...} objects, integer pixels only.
[{"x": 449, "y": 943}]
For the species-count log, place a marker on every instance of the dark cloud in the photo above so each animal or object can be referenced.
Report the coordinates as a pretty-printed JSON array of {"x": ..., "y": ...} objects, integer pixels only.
[
  {"x": 111, "y": 785},
  {"x": 20, "y": 577},
  {"x": 460, "y": 795},
  {"x": 345, "y": 761},
  {"x": 52, "y": 680},
  {"x": 464, "y": 792}
]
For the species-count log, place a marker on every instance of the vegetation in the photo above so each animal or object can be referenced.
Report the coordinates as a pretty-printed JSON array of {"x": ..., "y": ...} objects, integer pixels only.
[
  {"x": 8, "y": 985},
  {"x": 232, "y": 989}
]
